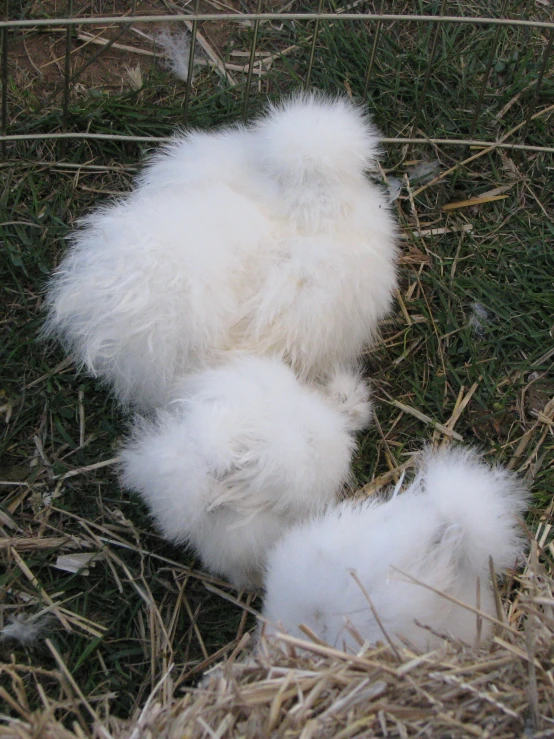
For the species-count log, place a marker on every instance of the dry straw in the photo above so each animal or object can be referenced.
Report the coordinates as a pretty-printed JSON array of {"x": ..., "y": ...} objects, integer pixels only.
[{"x": 294, "y": 688}]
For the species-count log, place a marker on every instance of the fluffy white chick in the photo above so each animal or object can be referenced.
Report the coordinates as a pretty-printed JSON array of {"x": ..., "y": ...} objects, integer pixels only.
[
  {"x": 244, "y": 452},
  {"x": 441, "y": 531},
  {"x": 267, "y": 239}
]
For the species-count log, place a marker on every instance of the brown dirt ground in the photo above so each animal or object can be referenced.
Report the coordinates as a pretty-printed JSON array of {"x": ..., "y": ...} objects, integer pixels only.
[{"x": 37, "y": 57}]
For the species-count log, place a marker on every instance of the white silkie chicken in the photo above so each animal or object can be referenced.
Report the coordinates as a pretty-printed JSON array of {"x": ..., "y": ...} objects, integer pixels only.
[
  {"x": 456, "y": 513},
  {"x": 244, "y": 452},
  {"x": 267, "y": 238}
]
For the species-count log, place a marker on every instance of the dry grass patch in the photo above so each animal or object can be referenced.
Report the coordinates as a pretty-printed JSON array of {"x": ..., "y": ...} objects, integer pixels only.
[{"x": 292, "y": 688}]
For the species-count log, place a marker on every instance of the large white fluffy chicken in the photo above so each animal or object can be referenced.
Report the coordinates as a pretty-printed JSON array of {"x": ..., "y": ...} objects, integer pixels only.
[
  {"x": 267, "y": 238},
  {"x": 243, "y": 452},
  {"x": 349, "y": 572}
]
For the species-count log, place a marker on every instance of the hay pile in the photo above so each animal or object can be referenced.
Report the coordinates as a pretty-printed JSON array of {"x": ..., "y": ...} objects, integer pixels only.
[{"x": 291, "y": 688}]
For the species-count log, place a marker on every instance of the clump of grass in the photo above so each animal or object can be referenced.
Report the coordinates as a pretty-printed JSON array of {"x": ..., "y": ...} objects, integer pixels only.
[{"x": 141, "y": 606}]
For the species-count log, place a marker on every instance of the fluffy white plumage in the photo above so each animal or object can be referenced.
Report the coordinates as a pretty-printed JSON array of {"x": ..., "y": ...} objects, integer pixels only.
[
  {"x": 456, "y": 513},
  {"x": 267, "y": 239},
  {"x": 244, "y": 452}
]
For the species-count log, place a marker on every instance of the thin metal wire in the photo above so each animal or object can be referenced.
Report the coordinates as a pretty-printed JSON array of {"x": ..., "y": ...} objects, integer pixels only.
[
  {"x": 485, "y": 81},
  {"x": 98, "y": 53},
  {"x": 312, "y": 49},
  {"x": 281, "y": 17},
  {"x": 79, "y": 71},
  {"x": 251, "y": 61},
  {"x": 540, "y": 78},
  {"x": 5, "y": 81},
  {"x": 478, "y": 144},
  {"x": 421, "y": 98},
  {"x": 67, "y": 68},
  {"x": 193, "y": 19},
  {"x": 378, "y": 25},
  {"x": 190, "y": 69}
]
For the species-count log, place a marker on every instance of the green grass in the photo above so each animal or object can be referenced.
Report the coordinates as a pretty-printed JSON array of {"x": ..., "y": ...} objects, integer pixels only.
[{"x": 149, "y": 607}]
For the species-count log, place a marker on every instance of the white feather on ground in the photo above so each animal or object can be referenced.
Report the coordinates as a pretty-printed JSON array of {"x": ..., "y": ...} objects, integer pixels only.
[
  {"x": 456, "y": 513},
  {"x": 267, "y": 239},
  {"x": 244, "y": 452},
  {"x": 25, "y": 630},
  {"x": 176, "y": 48}
]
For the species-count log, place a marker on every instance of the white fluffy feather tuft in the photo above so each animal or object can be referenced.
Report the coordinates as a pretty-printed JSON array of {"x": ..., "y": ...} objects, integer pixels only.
[
  {"x": 350, "y": 395},
  {"x": 311, "y": 134},
  {"x": 244, "y": 452},
  {"x": 441, "y": 531},
  {"x": 27, "y": 631},
  {"x": 483, "y": 501}
]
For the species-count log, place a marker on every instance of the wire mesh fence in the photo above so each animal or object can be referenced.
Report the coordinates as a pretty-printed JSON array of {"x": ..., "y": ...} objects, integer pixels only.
[{"x": 449, "y": 73}]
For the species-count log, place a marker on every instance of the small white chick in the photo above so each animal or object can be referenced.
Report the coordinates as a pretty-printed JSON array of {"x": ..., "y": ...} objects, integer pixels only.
[
  {"x": 244, "y": 452},
  {"x": 267, "y": 239},
  {"x": 456, "y": 513}
]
